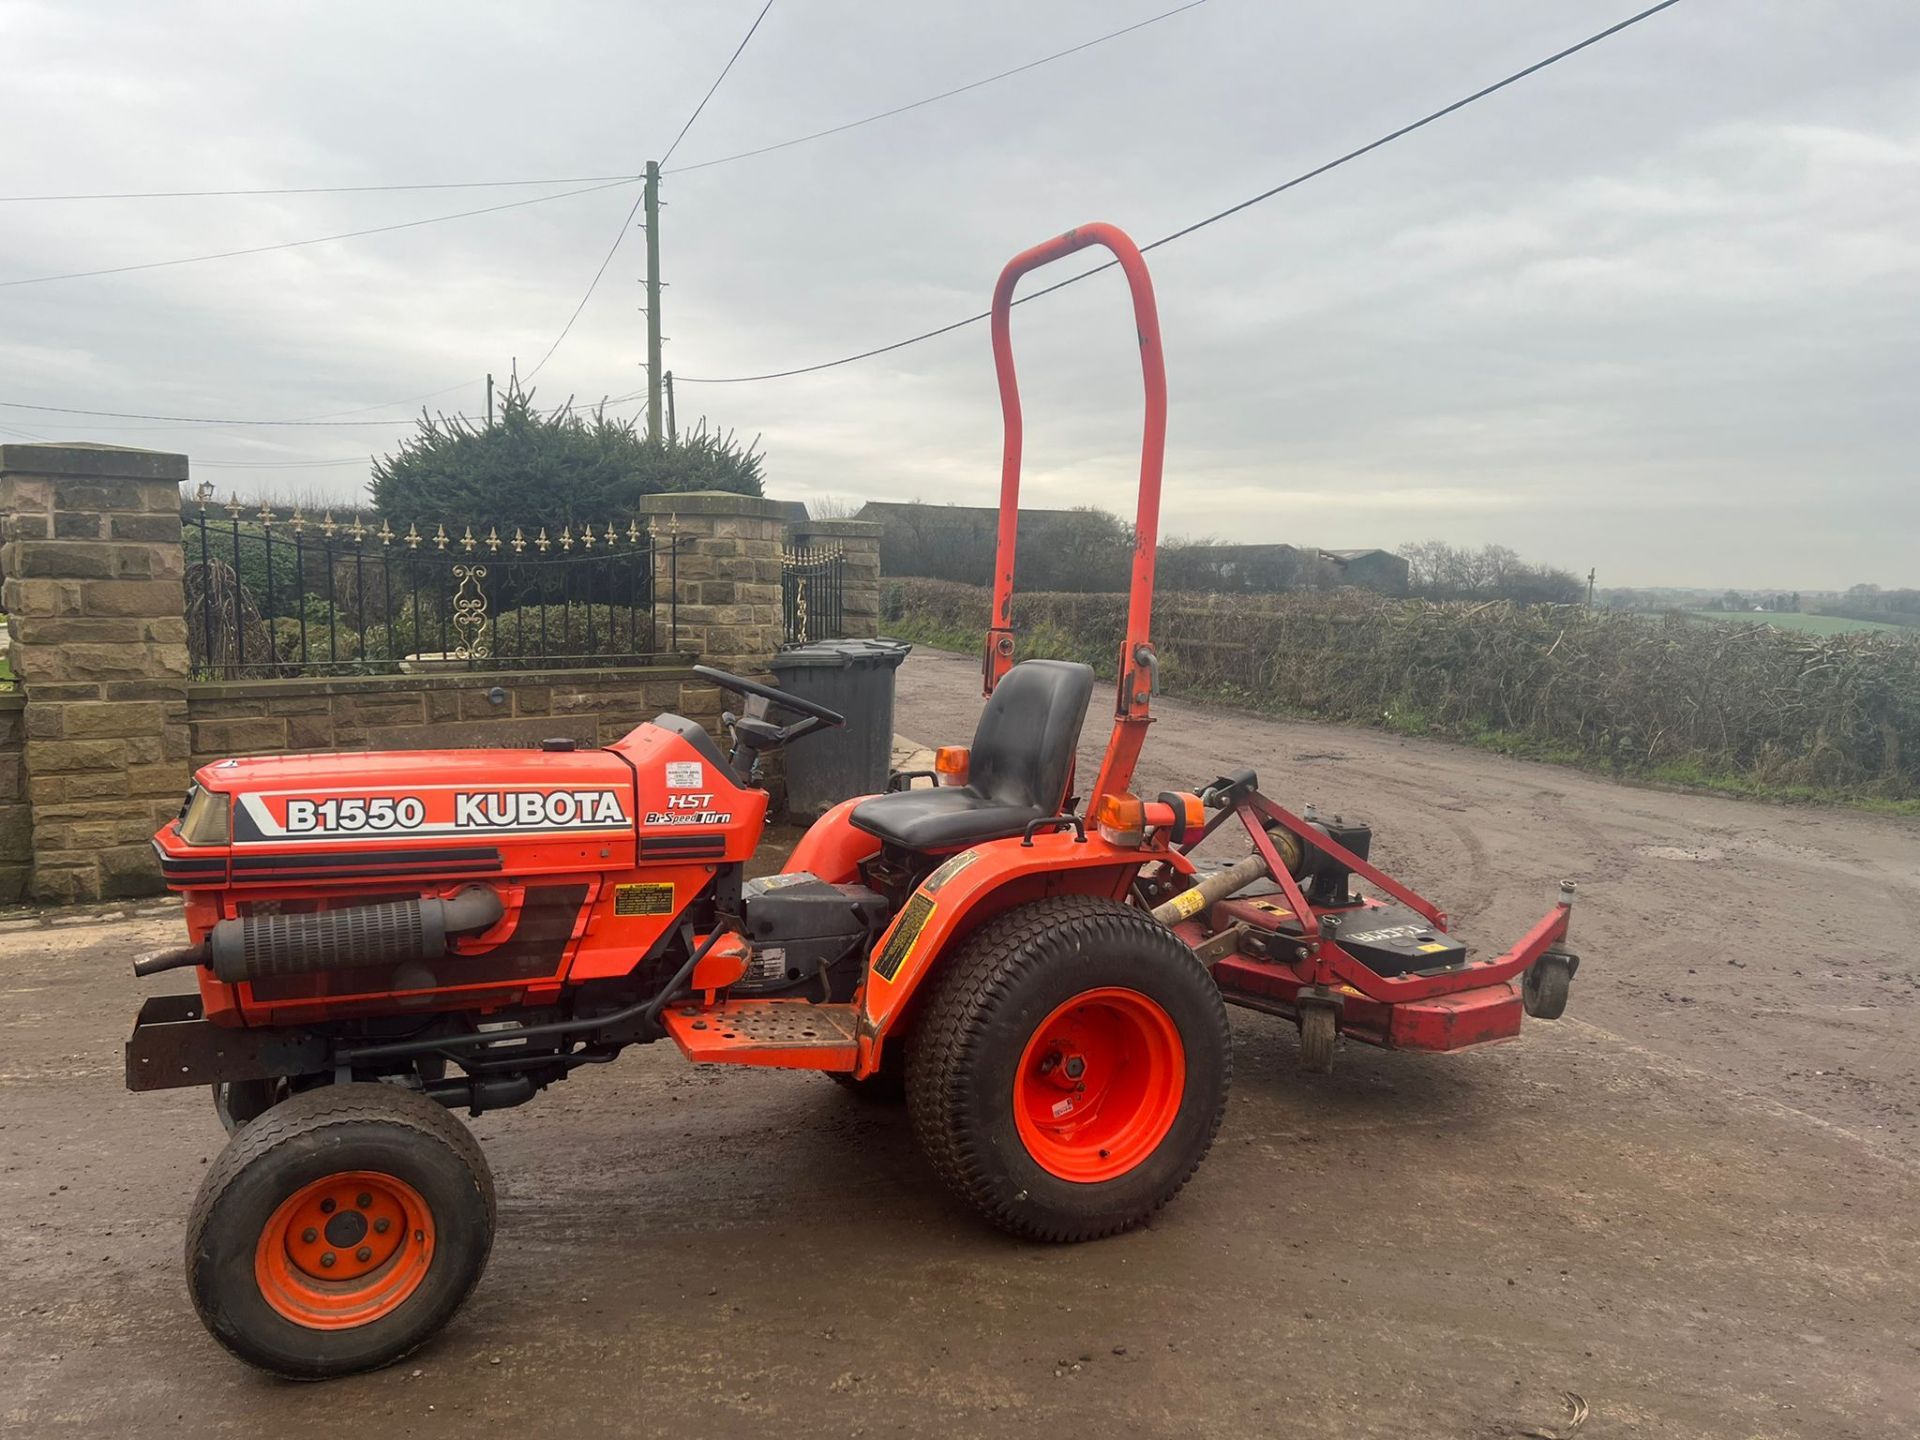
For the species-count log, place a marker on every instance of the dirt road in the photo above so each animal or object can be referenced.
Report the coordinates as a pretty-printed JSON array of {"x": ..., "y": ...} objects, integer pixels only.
[
  {"x": 1774, "y": 949},
  {"x": 1663, "y": 1205}
]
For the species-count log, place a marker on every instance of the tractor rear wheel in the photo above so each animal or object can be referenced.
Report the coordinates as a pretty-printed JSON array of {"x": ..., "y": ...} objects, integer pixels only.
[
  {"x": 1070, "y": 1069},
  {"x": 339, "y": 1230}
]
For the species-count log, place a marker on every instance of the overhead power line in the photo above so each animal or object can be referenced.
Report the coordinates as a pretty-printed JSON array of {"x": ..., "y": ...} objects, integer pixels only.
[
  {"x": 1217, "y": 216},
  {"x": 196, "y": 419},
  {"x": 725, "y": 70},
  {"x": 590, "y": 181},
  {"x": 626, "y": 224},
  {"x": 311, "y": 240},
  {"x": 214, "y": 194},
  {"x": 943, "y": 95},
  {"x": 309, "y": 190}
]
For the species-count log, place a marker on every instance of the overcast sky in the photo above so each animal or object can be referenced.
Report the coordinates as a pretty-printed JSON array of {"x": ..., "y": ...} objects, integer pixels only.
[{"x": 1651, "y": 311}]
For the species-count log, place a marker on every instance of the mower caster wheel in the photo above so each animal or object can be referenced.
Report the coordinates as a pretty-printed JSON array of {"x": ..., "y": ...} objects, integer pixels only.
[
  {"x": 1318, "y": 1026},
  {"x": 236, "y": 1102},
  {"x": 1070, "y": 1068},
  {"x": 339, "y": 1230},
  {"x": 1543, "y": 989}
]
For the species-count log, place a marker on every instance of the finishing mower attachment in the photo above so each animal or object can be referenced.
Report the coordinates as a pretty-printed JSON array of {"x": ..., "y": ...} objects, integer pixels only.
[{"x": 378, "y": 940}]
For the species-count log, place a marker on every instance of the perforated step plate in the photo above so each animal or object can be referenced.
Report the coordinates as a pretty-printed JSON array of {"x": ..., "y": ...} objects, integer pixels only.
[{"x": 791, "y": 1034}]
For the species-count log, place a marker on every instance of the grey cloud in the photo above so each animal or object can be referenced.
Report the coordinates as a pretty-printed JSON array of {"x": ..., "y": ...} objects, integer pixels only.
[{"x": 1650, "y": 311}]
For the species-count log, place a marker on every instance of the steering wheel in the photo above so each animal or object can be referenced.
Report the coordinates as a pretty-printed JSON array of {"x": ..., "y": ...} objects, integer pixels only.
[
  {"x": 753, "y": 735},
  {"x": 740, "y": 685}
]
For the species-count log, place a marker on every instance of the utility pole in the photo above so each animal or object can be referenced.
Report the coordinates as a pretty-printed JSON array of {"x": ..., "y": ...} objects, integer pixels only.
[
  {"x": 653, "y": 301},
  {"x": 673, "y": 430},
  {"x": 489, "y": 399},
  {"x": 1590, "y": 588}
]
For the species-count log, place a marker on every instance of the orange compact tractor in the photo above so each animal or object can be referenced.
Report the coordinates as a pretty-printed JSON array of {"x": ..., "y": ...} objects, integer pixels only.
[{"x": 1037, "y": 961}]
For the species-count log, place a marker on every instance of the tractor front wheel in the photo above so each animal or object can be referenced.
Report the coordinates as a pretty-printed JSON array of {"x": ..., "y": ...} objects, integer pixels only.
[
  {"x": 1070, "y": 1069},
  {"x": 339, "y": 1230}
]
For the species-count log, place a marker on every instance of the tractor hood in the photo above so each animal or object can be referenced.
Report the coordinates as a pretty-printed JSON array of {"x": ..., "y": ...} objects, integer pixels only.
[{"x": 422, "y": 795}]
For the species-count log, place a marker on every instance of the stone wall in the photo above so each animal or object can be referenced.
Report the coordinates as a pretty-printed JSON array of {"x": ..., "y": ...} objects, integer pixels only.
[
  {"x": 451, "y": 711},
  {"x": 97, "y": 744},
  {"x": 92, "y": 556}
]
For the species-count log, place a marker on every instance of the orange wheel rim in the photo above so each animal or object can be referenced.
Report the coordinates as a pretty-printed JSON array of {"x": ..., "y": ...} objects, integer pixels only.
[
  {"x": 344, "y": 1250},
  {"x": 1099, "y": 1085}
]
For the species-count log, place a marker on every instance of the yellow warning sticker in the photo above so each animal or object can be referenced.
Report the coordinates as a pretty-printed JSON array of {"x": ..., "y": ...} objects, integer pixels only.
[
  {"x": 905, "y": 934},
  {"x": 1430, "y": 949},
  {"x": 1189, "y": 902},
  {"x": 648, "y": 897}
]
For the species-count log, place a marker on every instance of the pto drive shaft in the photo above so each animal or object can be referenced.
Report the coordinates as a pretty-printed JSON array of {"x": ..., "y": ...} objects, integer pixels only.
[{"x": 1217, "y": 886}]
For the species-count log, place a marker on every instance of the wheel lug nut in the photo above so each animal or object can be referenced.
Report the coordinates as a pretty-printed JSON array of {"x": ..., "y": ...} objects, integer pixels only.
[
  {"x": 363, "y": 1254},
  {"x": 1076, "y": 1067},
  {"x": 309, "y": 1235},
  {"x": 326, "y": 1206},
  {"x": 363, "y": 1200},
  {"x": 381, "y": 1225},
  {"x": 326, "y": 1261}
]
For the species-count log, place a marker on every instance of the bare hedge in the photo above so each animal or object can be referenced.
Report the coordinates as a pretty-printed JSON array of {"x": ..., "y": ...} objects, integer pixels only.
[{"x": 1778, "y": 707}]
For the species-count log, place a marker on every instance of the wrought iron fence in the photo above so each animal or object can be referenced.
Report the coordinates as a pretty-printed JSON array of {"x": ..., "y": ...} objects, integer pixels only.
[
  {"x": 275, "y": 593},
  {"x": 813, "y": 592}
]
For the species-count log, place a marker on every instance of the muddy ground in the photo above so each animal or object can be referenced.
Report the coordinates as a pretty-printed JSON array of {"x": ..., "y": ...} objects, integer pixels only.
[{"x": 1692, "y": 1202}]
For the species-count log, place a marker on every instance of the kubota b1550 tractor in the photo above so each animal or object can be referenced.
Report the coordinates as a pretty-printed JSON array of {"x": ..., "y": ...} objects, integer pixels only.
[{"x": 1037, "y": 961}]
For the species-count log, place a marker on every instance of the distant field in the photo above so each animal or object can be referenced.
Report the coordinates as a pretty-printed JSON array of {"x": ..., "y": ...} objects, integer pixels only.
[{"x": 1794, "y": 620}]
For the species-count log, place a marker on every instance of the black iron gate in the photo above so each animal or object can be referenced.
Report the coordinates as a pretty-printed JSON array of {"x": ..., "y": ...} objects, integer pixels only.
[
  {"x": 813, "y": 592},
  {"x": 276, "y": 593}
]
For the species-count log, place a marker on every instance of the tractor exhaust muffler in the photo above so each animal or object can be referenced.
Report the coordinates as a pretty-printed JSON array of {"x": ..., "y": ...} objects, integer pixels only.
[{"x": 259, "y": 947}]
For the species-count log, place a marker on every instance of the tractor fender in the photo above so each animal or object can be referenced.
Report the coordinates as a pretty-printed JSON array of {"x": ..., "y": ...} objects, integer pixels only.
[
  {"x": 833, "y": 848},
  {"x": 969, "y": 889}
]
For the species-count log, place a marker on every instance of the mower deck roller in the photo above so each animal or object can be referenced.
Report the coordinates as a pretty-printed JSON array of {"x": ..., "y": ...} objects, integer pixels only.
[{"x": 378, "y": 939}]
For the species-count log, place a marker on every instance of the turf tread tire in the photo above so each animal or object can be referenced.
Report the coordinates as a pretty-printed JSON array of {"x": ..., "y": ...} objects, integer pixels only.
[
  {"x": 310, "y": 1113},
  {"x": 980, "y": 982}
]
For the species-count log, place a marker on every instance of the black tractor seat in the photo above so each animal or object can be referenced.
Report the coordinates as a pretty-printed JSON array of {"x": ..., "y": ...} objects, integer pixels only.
[{"x": 1022, "y": 756}]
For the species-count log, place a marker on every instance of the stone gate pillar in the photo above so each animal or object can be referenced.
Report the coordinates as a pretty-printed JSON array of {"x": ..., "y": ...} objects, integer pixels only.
[
  {"x": 727, "y": 573},
  {"x": 93, "y": 563}
]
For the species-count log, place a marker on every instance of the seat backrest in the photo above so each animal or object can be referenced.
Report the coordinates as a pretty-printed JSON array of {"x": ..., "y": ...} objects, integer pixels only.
[{"x": 1023, "y": 748}]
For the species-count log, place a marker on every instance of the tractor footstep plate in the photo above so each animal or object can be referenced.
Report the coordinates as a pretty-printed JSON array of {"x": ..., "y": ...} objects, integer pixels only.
[{"x": 794, "y": 1034}]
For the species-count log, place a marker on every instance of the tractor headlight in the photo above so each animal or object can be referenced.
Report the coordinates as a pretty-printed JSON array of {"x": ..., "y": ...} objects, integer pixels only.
[{"x": 203, "y": 819}]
